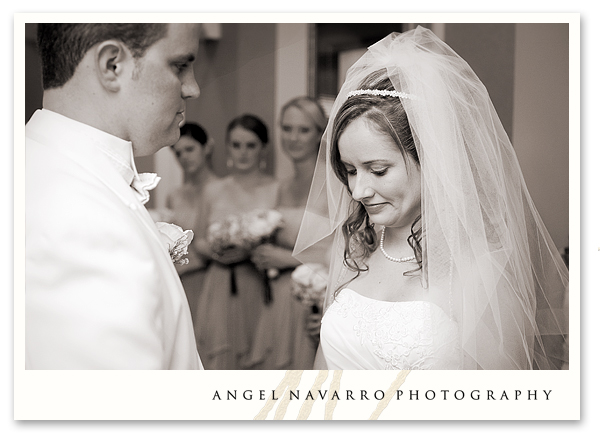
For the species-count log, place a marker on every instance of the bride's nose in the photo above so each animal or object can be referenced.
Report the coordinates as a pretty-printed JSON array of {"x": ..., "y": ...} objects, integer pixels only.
[{"x": 362, "y": 188}]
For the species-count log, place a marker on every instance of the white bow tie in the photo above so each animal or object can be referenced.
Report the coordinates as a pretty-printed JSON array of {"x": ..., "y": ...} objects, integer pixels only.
[{"x": 142, "y": 183}]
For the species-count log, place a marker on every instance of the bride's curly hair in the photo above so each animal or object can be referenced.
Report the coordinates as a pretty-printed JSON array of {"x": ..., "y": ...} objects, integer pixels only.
[{"x": 388, "y": 116}]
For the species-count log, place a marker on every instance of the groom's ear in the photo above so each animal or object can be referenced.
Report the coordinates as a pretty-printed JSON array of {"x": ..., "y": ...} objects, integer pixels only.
[{"x": 112, "y": 61}]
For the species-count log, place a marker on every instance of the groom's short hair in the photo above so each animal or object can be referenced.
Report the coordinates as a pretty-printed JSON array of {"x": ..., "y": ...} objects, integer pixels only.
[{"x": 62, "y": 46}]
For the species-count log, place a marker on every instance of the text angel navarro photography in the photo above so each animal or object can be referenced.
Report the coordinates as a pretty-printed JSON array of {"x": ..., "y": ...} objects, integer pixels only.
[{"x": 378, "y": 395}]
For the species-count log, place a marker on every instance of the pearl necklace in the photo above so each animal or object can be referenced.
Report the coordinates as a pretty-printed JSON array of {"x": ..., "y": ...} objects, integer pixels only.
[{"x": 391, "y": 258}]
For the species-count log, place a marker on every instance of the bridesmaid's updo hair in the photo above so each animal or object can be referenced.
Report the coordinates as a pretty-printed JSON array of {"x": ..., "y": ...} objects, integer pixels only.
[
  {"x": 251, "y": 123},
  {"x": 200, "y": 135},
  {"x": 386, "y": 114}
]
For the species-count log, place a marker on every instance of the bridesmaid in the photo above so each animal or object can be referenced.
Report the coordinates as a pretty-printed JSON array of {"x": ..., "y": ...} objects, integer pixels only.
[
  {"x": 192, "y": 150},
  {"x": 233, "y": 296},
  {"x": 282, "y": 340}
]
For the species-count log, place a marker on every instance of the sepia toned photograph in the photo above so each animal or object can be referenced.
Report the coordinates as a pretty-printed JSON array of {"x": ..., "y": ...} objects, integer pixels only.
[{"x": 298, "y": 220}]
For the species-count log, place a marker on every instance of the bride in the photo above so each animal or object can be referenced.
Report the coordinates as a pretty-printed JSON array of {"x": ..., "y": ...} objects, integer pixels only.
[{"x": 440, "y": 260}]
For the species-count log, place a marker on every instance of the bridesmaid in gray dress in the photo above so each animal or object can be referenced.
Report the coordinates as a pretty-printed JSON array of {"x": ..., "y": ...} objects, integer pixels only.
[{"x": 282, "y": 340}]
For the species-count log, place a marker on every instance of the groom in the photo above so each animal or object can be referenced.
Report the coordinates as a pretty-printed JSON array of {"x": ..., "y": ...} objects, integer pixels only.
[{"x": 101, "y": 290}]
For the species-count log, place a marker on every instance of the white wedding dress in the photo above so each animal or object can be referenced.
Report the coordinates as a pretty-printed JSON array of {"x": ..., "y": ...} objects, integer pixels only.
[{"x": 358, "y": 332}]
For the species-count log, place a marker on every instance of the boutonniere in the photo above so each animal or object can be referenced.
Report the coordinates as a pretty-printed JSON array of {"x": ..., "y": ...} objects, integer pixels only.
[{"x": 176, "y": 240}]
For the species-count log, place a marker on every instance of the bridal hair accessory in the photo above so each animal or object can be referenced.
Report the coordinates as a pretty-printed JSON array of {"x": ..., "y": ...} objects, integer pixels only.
[
  {"x": 391, "y": 258},
  {"x": 394, "y": 93}
]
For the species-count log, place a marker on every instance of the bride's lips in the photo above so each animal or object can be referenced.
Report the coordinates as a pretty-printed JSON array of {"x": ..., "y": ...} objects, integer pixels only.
[{"x": 374, "y": 208}]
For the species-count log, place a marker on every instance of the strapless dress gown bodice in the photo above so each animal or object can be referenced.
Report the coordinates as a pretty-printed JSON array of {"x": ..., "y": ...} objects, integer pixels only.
[{"x": 358, "y": 332}]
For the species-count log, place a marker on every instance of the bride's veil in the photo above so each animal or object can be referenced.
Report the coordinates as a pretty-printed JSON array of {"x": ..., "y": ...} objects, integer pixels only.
[{"x": 488, "y": 260}]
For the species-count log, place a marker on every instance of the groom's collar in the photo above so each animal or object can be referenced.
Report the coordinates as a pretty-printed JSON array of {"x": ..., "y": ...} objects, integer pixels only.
[{"x": 118, "y": 151}]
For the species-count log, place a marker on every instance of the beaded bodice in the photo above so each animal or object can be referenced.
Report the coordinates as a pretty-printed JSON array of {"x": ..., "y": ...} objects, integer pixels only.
[{"x": 362, "y": 333}]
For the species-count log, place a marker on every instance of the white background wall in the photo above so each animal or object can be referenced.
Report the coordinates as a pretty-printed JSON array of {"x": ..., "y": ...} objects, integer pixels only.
[
  {"x": 541, "y": 118},
  {"x": 291, "y": 79}
]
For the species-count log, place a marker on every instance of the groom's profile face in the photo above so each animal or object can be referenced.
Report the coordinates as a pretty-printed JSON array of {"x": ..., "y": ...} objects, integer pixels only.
[{"x": 155, "y": 94}]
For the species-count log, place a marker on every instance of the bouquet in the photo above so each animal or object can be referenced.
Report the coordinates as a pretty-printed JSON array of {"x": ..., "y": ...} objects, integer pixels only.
[
  {"x": 245, "y": 231},
  {"x": 309, "y": 283},
  {"x": 225, "y": 234},
  {"x": 261, "y": 225}
]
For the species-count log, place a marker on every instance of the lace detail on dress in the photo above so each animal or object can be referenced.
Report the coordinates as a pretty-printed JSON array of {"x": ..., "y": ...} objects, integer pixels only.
[{"x": 401, "y": 334}]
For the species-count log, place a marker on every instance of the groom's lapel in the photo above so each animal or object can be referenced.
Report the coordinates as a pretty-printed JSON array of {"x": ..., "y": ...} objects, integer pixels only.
[{"x": 98, "y": 165}]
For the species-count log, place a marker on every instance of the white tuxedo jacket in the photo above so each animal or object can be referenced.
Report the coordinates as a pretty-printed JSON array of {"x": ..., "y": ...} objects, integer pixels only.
[{"x": 101, "y": 291}]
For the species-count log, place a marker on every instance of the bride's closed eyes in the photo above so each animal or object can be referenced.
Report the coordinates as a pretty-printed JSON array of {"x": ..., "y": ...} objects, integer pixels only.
[{"x": 378, "y": 172}]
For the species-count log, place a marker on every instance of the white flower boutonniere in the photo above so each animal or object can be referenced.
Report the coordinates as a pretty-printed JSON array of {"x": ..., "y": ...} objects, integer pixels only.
[{"x": 177, "y": 241}]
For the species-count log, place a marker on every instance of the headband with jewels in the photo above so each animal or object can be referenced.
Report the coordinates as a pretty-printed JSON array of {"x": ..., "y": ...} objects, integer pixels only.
[{"x": 394, "y": 93}]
